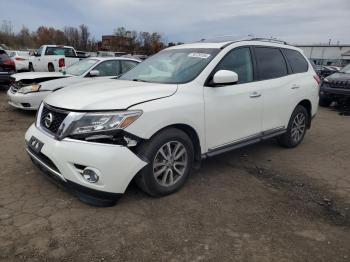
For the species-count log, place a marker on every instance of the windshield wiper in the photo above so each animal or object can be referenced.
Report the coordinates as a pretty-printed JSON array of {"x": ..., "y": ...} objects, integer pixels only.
[{"x": 139, "y": 80}]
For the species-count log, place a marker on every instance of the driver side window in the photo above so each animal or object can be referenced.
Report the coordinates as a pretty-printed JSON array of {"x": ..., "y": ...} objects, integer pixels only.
[
  {"x": 240, "y": 61},
  {"x": 108, "y": 68}
]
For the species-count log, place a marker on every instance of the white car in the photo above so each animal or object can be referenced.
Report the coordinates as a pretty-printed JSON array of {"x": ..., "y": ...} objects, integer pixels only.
[
  {"x": 179, "y": 106},
  {"x": 21, "y": 59},
  {"x": 29, "y": 89}
]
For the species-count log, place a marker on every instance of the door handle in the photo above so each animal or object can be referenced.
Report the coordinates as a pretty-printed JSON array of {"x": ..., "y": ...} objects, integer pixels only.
[
  {"x": 254, "y": 95},
  {"x": 295, "y": 87}
]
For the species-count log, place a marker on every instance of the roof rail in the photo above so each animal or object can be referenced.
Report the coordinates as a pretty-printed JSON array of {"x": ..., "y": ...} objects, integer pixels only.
[
  {"x": 230, "y": 39},
  {"x": 263, "y": 39}
]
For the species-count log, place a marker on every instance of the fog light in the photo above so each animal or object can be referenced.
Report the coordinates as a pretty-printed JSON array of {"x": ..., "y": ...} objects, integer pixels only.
[{"x": 90, "y": 175}]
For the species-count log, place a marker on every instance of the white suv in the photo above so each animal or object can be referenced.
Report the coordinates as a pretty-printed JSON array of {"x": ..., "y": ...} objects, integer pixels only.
[{"x": 179, "y": 106}]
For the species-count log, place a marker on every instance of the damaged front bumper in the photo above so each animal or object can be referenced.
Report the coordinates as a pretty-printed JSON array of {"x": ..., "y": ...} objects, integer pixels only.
[{"x": 65, "y": 161}]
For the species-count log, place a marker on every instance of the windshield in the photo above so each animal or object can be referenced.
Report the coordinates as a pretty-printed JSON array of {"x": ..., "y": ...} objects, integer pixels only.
[
  {"x": 174, "y": 66},
  {"x": 79, "y": 68},
  {"x": 346, "y": 69}
]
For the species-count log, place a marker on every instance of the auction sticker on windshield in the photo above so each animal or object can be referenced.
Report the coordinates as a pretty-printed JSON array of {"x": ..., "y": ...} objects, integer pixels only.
[{"x": 199, "y": 55}]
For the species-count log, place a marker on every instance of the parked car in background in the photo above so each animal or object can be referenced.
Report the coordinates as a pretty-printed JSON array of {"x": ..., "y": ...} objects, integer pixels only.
[
  {"x": 29, "y": 97},
  {"x": 7, "y": 68},
  {"x": 82, "y": 54},
  {"x": 324, "y": 71},
  {"x": 336, "y": 87},
  {"x": 183, "y": 104},
  {"x": 53, "y": 58},
  {"x": 105, "y": 54},
  {"x": 21, "y": 59}
]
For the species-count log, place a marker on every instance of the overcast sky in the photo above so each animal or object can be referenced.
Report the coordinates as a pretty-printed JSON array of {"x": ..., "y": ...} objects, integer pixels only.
[{"x": 296, "y": 21}]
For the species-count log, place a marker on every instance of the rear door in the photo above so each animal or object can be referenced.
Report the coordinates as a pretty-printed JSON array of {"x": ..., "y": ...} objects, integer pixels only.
[{"x": 276, "y": 85}]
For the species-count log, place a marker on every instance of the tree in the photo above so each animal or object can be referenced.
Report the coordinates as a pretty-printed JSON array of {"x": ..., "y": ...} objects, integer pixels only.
[{"x": 84, "y": 37}]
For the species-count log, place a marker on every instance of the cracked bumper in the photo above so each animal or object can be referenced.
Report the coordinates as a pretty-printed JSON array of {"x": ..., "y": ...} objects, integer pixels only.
[{"x": 116, "y": 165}]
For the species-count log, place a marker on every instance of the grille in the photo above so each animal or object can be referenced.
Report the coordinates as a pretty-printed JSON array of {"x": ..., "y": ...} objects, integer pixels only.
[
  {"x": 340, "y": 84},
  {"x": 58, "y": 117}
]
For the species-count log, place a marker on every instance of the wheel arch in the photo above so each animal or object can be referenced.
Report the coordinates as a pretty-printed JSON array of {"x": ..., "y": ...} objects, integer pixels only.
[
  {"x": 308, "y": 106},
  {"x": 192, "y": 134},
  {"x": 50, "y": 64}
]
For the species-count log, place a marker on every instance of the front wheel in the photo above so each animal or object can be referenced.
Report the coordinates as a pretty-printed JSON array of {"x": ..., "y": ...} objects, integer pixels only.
[
  {"x": 296, "y": 128},
  {"x": 170, "y": 157},
  {"x": 325, "y": 101}
]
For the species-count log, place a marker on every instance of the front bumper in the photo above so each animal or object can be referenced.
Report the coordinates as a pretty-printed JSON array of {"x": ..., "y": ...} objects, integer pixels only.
[
  {"x": 63, "y": 160},
  {"x": 325, "y": 90},
  {"x": 29, "y": 101}
]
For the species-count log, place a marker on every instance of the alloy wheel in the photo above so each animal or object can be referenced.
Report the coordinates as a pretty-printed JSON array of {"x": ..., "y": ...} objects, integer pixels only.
[
  {"x": 298, "y": 127},
  {"x": 170, "y": 163}
]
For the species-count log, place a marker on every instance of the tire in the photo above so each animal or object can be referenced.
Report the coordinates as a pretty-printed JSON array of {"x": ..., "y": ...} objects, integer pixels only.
[
  {"x": 298, "y": 123},
  {"x": 163, "y": 177},
  {"x": 51, "y": 68},
  {"x": 325, "y": 101},
  {"x": 31, "y": 68}
]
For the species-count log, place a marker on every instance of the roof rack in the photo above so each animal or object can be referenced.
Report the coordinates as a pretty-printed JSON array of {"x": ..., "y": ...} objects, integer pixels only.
[
  {"x": 263, "y": 39},
  {"x": 233, "y": 39}
]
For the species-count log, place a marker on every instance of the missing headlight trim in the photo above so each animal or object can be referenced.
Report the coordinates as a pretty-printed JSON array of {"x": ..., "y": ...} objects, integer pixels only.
[{"x": 115, "y": 137}]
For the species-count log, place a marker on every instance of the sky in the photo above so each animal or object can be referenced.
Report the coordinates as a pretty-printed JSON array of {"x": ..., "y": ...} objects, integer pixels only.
[{"x": 295, "y": 21}]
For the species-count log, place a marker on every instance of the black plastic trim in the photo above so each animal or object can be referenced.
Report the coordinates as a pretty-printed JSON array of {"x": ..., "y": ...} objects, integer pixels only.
[{"x": 245, "y": 142}]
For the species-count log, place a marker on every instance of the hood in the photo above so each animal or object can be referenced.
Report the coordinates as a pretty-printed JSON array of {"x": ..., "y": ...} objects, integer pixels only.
[
  {"x": 38, "y": 75},
  {"x": 53, "y": 85},
  {"x": 108, "y": 94},
  {"x": 339, "y": 77}
]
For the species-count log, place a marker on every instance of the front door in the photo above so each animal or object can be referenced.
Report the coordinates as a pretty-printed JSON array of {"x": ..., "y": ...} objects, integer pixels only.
[{"x": 233, "y": 113}]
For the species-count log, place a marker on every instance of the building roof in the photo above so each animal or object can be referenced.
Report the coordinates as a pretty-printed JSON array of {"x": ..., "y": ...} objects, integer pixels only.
[
  {"x": 323, "y": 45},
  {"x": 347, "y": 53}
]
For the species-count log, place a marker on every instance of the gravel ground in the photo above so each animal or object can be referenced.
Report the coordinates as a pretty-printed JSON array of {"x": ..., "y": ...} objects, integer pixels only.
[{"x": 261, "y": 203}]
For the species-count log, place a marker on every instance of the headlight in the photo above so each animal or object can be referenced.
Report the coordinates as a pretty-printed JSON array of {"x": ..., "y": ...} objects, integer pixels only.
[
  {"x": 29, "y": 89},
  {"x": 325, "y": 80},
  {"x": 104, "y": 121}
]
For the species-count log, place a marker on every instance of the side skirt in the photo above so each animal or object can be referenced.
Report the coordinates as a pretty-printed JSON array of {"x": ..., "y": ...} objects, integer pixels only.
[{"x": 245, "y": 142}]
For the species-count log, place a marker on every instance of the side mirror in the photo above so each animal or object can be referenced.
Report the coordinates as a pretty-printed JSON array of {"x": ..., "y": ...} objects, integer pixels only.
[
  {"x": 94, "y": 73},
  {"x": 35, "y": 53},
  {"x": 225, "y": 77}
]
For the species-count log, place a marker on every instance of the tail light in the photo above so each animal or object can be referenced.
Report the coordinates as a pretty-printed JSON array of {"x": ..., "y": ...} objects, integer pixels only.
[
  {"x": 318, "y": 80},
  {"x": 61, "y": 62},
  {"x": 20, "y": 59},
  {"x": 9, "y": 62}
]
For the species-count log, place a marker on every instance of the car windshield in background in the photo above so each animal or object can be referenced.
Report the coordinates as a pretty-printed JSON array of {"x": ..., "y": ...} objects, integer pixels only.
[
  {"x": 174, "y": 66},
  {"x": 346, "y": 69},
  {"x": 79, "y": 68}
]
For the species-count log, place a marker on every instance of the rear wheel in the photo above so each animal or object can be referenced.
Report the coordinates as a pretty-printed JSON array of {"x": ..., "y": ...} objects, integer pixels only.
[
  {"x": 170, "y": 155},
  {"x": 296, "y": 128},
  {"x": 51, "y": 68}
]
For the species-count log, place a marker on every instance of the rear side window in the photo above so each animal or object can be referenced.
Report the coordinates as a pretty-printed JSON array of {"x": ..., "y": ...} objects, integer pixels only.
[
  {"x": 271, "y": 63},
  {"x": 296, "y": 61}
]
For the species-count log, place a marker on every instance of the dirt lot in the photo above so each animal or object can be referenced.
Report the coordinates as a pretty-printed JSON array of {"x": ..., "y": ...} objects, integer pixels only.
[{"x": 262, "y": 203}]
